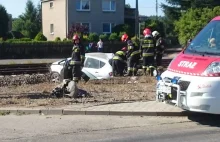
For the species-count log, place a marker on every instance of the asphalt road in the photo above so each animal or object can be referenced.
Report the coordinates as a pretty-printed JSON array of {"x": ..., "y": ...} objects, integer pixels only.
[{"x": 108, "y": 129}]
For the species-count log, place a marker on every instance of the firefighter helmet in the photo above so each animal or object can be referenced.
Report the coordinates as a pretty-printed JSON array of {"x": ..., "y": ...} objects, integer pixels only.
[
  {"x": 75, "y": 37},
  {"x": 124, "y": 37},
  {"x": 155, "y": 33},
  {"x": 147, "y": 32}
]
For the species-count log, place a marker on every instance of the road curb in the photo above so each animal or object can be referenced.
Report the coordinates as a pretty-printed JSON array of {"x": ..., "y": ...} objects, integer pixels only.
[{"x": 92, "y": 112}]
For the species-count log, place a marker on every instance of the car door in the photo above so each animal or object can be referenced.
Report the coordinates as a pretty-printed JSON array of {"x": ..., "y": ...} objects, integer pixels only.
[
  {"x": 104, "y": 70},
  {"x": 92, "y": 66}
]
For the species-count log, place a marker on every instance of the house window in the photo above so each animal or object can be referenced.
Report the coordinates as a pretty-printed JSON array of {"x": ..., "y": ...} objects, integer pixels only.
[
  {"x": 51, "y": 29},
  {"x": 108, "y": 5},
  {"x": 107, "y": 27},
  {"x": 51, "y": 4},
  {"x": 83, "y": 5},
  {"x": 86, "y": 25}
]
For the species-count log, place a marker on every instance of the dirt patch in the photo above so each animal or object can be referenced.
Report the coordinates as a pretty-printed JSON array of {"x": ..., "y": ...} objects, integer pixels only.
[{"x": 101, "y": 91}]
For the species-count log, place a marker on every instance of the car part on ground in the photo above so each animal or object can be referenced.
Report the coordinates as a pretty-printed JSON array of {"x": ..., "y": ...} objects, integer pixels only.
[{"x": 69, "y": 89}]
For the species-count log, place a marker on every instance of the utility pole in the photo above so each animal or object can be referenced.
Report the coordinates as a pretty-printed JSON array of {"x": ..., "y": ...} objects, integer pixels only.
[
  {"x": 156, "y": 9},
  {"x": 136, "y": 20}
]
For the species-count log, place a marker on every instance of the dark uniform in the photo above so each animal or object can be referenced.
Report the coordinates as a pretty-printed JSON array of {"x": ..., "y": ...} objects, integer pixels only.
[
  {"x": 148, "y": 53},
  {"x": 119, "y": 62},
  {"x": 133, "y": 56},
  {"x": 160, "y": 47},
  {"x": 77, "y": 61}
]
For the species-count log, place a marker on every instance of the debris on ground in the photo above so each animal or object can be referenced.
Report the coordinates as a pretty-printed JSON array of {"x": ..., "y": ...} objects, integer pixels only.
[{"x": 99, "y": 91}]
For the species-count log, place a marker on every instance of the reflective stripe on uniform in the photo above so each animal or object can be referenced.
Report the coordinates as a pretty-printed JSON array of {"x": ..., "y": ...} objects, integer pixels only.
[
  {"x": 75, "y": 62},
  {"x": 144, "y": 67},
  {"x": 152, "y": 67},
  {"x": 147, "y": 54},
  {"x": 135, "y": 52},
  {"x": 129, "y": 68},
  {"x": 120, "y": 53},
  {"x": 130, "y": 47},
  {"x": 117, "y": 58},
  {"x": 147, "y": 44},
  {"x": 82, "y": 57}
]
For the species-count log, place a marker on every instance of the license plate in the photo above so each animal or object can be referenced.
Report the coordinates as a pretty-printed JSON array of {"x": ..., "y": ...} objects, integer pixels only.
[{"x": 165, "y": 89}]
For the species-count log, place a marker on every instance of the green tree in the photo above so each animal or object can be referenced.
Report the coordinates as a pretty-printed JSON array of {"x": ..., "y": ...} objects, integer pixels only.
[
  {"x": 17, "y": 24},
  {"x": 39, "y": 17},
  {"x": 3, "y": 21},
  {"x": 193, "y": 21},
  {"x": 29, "y": 23},
  {"x": 122, "y": 28},
  {"x": 154, "y": 25}
]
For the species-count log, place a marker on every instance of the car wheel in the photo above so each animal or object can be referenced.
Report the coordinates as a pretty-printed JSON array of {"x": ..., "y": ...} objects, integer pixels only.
[{"x": 55, "y": 77}]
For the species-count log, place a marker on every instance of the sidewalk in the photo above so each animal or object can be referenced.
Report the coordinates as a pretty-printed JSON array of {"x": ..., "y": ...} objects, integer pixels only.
[{"x": 150, "y": 108}]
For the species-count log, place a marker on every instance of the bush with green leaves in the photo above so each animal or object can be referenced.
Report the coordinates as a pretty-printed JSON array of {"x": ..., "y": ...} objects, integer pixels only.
[
  {"x": 104, "y": 37},
  {"x": 193, "y": 21},
  {"x": 93, "y": 37},
  {"x": 1, "y": 39},
  {"x": 25, "y": 39},
  {"x": 113, "y": 37},
  {"x": 40, "y": 37},
  {"x": 57, "y": 39},
  {"x": 65, "y": 39}
]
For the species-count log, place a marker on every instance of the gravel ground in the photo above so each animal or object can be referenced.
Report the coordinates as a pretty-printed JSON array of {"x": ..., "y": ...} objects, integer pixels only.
[{"x": 32, "y": 91}]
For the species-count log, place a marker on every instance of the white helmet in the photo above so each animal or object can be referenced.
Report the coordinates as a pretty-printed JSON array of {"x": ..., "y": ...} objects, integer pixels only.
[{"x": 155, "y": 33}]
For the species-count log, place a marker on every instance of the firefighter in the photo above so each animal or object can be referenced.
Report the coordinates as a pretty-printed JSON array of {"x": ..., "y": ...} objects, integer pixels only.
[
  {"x": 119, "y": 61},
  {"x": 133, "y": 56},
  {"x": 78, "y": 57},
  {"x": 160, "y": 47},
  {"x": 148, "y": 52}
]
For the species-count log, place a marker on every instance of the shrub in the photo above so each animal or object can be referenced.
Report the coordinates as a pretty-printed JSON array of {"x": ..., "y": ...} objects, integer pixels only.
[
  {"x": 1, "y": 39},
  {"x": 93, "y": 37},
  {"x": 57, "y": 39},
  {"x": 40, "y": 37},
  {"x": 65, "y": 39},
  {"x": 85, "y": 38},
  {"x": 113, "y": 37},
  {"x": 25, "y": 39},
  {"x": 104, "y": 37}
]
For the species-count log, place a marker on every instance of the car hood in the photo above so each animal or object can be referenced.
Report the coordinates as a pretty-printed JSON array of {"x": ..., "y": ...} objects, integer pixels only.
[{"x": 191, "y": 64}]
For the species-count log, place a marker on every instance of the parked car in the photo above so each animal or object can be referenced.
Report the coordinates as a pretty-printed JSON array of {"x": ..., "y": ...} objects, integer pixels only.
[{"x": 96, "y": 66}]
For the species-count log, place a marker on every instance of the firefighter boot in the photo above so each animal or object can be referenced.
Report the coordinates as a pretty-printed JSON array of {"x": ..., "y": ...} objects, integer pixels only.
[
  {"x": 152, "y": 71},
  {"x": 144, "y": 71},
  {"x": 134, "y": 72}
]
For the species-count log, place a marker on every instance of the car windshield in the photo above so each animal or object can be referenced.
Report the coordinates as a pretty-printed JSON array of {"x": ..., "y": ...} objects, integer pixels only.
[{"x": 207, "y": 42}]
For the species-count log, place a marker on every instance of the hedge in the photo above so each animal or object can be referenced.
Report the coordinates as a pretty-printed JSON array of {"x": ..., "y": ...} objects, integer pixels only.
[{"x": 45, "y": 49}]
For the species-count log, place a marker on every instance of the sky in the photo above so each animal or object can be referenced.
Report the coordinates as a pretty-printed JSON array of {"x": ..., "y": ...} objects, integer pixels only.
[{"x": 146, "y": 7}]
